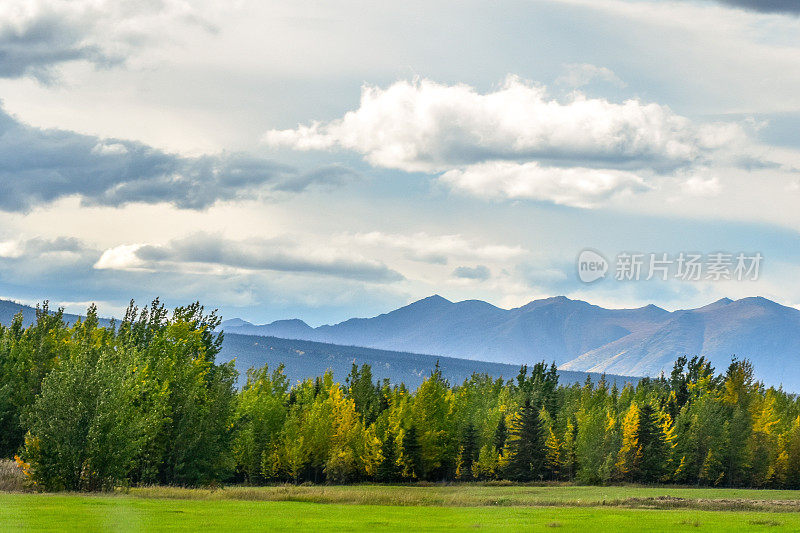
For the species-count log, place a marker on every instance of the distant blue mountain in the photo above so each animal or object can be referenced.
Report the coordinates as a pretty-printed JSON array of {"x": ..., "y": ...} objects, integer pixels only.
[
  {"x": 576, "y": 335},
  {"x": 307, "y": 359},
  {"x": 9, "y": 309}
]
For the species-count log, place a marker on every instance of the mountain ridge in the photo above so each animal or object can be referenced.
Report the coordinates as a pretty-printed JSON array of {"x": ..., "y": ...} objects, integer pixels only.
[{"x": 577, "y": 335}]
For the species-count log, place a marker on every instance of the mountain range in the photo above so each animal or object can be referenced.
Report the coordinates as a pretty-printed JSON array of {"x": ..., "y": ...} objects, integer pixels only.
[{"x": 576, "y": 335}]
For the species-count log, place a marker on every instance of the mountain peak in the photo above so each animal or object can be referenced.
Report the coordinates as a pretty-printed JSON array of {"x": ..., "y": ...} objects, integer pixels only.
[
  {"x": 653, "y": 309},
  {"x": 235, "y": 323},
  {"x": 430, "y": 301},
  {"x": 762, "y": 302},
  {"x": 553, "y": 300},
  {"x": 722, "y": 302},
  {"x": 290, "y": 322}
]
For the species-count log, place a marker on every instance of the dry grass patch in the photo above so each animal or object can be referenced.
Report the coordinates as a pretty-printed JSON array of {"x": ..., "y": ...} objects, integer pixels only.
[
  {"x": 12, "y": 479},
  {"x": 480, "y": 495}
]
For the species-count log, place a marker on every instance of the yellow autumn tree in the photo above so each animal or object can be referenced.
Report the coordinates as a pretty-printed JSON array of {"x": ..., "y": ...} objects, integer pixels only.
[
  {"x": 792, "y": 447},
  {"x": 488, "y": 463},
  {"x": 629, "y": 454},
  {"x": 346, "y": 452},
  {"x": 763, "y": 448},
  {"x": 552, "y": 445},
  {"x": 568, "y": 451}
]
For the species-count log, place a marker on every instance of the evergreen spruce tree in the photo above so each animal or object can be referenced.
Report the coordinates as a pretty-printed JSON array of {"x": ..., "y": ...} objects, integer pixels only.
[
  {"x": 652, "y": 446},
  {"x": 387, "y": 469},
  {"x": 364, "y": 392},
  {"x": 413, "y": 453},
  {"x": 500, "y": 434},
  {"x": 469, "y": 452},
  {"x": 526, "y": 446}
]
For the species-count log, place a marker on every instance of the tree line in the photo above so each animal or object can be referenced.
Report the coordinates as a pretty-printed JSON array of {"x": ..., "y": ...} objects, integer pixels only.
[{"x": 143, "y": 401}]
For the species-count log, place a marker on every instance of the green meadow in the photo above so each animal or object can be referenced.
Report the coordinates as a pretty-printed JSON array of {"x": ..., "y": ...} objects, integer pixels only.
[{"x": 463, "y": 507}]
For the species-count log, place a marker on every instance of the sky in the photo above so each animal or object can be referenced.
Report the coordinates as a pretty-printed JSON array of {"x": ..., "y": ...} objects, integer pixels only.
[{"x": 330, "y": 159}]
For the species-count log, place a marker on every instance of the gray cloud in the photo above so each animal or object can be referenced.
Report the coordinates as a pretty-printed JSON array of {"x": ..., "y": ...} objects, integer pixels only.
[
  {"x": 275, "y": 255},
  {"x": 433, "y": 258},
  {"x": 59, "y": 244},
  {"x": 26, "y": 249},
  {"x": 38, "y": 35},
  {"x": 34, "y": 50},
  {"x": 791, "y": 7},
  {"x": 38, "y": 166},
  {"x": 335, "y": 174},
  {"x": 36, "y": 263},
  {"x": 479, "y": 272}
]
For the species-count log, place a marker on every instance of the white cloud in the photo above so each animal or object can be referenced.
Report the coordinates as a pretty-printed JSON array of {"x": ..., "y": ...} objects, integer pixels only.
[
  {"x": 436, "y": 249},
  {"x": 518, "y": 142},
  {"x": 10, "y": 249},
  {"x": 699, "y": 186},
  {"x": 121, "y": 257},
  {"x": 109, "y": 148},
  {"x": 576, "y": 187},
  {"x": 430, "y": 127}
]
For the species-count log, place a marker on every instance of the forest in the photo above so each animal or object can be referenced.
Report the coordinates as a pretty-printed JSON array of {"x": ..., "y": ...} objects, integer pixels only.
[{"x": 143, "y": 401}]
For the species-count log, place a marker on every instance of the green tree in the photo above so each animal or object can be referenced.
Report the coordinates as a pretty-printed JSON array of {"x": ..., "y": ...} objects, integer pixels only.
[
  {"x": 366, "y": 394},
  {"x": 27, "y": 355},
  {"x": 652, "y": 463},
  {"x": 84, "y": 430},
  {"x": 388, "y": 470},
  {"x": 526, "y": 446},
  {"x": 468, "y": 452},
  {"x": 500, "y": 434},
  {"x": 412, "y": 454},
  {"x": 432, "y": 411},
  {"x": 260, "y": 415}
]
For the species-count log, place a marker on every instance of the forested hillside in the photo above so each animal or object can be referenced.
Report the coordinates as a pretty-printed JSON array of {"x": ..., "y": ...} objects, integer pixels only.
[{"x": 307, "y": 359}]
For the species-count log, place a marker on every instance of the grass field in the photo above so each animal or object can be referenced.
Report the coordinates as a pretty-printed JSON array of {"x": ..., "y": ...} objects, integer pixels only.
[{"x": 382, "y": 508}]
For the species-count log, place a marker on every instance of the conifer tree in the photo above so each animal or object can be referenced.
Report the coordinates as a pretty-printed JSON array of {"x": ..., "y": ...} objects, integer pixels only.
[
  {"x": 526, "y": 446},
  {"x": 500, "y": 434},
  {"x": 412, "y": 454},
  {"x": 652, "y": 455},
  {"x": 388, "y": 470},
  {"x": 365, "y": 393},
  {"x": 468, "y": 452}
]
